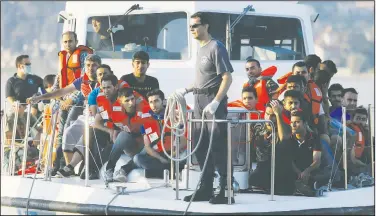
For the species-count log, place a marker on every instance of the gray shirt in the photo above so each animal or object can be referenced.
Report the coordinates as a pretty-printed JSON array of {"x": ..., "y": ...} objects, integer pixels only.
[{"x": 212, "y": 61}]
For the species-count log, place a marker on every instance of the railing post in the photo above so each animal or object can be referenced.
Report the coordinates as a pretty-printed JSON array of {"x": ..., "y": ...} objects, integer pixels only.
[
  {"x": 47, "y": 171},
  {"x": 12, "y": 153},
  {"x": 3, "y": 136},
  {"x": 177, "y": 148},
  {"x": 273, "y": 162},
  {"x": 370, "y": 122},
  {"x": 189, "y": 147},
  {"x": 87, "y": 141},
  {"x": 344, "y": 146},
  {"x": 229, "y": 162},
  {"x": 26, "y": 143}
]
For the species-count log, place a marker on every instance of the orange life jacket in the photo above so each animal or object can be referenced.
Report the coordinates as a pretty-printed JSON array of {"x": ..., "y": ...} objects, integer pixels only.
[
  {"x": 71, "y": 69},
  {"x": 260, "y": 86},
  {"x": 360, "y": 140},
  {"x": 85, "y": 86},
  {"x": 253, "y": 116},
  {"x": 105, "y": 104},
  {"x": 153, "y": 128},
  {"x": 314, "y": 97}
]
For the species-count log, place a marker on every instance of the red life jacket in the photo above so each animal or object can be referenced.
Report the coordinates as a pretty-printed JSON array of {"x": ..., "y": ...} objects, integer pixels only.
[
  {"x": 153, "y": 128},
  {"x": 253, "y": 116},
  {"x": 71, "y": 69},
  {"x": 105, "y": 104},
  {"x": 260, "y": 86},
  {"x": 85, "y": 86},
  {"x": 360, "y": 140}
]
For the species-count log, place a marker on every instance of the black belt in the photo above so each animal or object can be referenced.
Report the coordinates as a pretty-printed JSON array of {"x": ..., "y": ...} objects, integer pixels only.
[{"x": 205, "y": 90}]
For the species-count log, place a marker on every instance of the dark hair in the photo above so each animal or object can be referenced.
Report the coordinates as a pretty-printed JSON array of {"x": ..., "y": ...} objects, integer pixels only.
[
  {"x": 70, "y": 32},
  {"x": 299, "y": 113},
  {"x": 335, "y": 87},
  {"x": 331, "y": 66},
  {"x": 107, "y": 67},
  {"x": 250, "y": 59},
  {"x": 49, "y": 80},
  {"x": 293, "y": 94},
  {"x": 19, "y": 59},
  {"x": 352, "y": 90},
  {"x": 110, "y": 77},
  {"x": 142, "y": 55},
  {"x": 297, "y": 79},
  {"x": 361, "y": 110},
  {"x": 321, "y": 77},
  {"x": 312, "y": 61},
  {"x": 298, "y": 64},
  {"x": 204, "y": 18},
  {"x": 250, "y": 89},
  {"x": 125, "y": 92},
  {"x": 156, "y": 92}
]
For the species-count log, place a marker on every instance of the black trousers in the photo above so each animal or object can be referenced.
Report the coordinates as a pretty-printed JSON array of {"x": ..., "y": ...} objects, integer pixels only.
[
  {"x": 284, "y": 175},
  {"x": 100, "y": 148},
  {"x": 218, "y": 155}
]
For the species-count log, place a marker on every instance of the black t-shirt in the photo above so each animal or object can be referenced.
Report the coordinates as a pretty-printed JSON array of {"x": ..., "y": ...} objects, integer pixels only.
[
  {"x": 150, "y": 83},
  {"x": 303, "y": 152},
  {"x": 21, "y": 89}
]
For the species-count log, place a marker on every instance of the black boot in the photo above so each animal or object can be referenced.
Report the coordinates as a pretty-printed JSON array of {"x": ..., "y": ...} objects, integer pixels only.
[
  {"x": 204, "y": 192},
  {"x": 221, "y": 196}
]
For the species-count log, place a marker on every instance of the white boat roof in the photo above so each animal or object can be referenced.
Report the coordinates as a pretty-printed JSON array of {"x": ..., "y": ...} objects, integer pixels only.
[
  {"x": 72, "y": 190},
  {"x": 119, "y": 7}
]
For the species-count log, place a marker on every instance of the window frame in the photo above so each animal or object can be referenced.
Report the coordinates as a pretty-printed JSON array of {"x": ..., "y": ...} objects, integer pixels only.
[{"x": 144, "y": 11}]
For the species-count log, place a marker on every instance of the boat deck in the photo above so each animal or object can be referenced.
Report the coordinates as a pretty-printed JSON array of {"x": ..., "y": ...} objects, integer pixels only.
[{"x": 63, "y": 193}]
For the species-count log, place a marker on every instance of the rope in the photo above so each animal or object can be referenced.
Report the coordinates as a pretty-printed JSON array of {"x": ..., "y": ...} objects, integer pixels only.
[{"x": 173, "y": 101}]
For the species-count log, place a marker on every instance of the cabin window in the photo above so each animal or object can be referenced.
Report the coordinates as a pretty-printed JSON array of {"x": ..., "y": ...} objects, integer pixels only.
[
  {"x": 161, "y": 35},
  {"x": 262, "y": 37}
]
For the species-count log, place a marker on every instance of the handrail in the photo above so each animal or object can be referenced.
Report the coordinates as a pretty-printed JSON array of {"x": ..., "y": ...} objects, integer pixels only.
[{"x": 229, "y": 122}]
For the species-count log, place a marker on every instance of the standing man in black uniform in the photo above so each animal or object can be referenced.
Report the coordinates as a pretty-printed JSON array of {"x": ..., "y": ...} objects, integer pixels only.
[{"x": 213, "y": 80}]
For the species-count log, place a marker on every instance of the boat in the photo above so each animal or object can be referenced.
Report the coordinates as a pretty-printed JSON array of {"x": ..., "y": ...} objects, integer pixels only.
[{"x": 163, "y": 31}]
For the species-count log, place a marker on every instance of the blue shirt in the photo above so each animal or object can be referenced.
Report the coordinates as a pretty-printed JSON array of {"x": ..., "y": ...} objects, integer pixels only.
[{"x": 92, "y": 98}]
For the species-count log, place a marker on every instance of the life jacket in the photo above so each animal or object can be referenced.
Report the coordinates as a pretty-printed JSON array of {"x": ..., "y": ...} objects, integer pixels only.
[
  {"x": 282, "y": 81},
  {"x": 360, "y": 140},
  {"x": 253, "y": 116},
  {"x": 153, "y": 128},
  {"x": 85, "y": 86},
  {"x": 71, "y": 69},
  {"x": 105, "y": 104},
  {"x": 286, "y": 117},
  {"x": 260, "y": 86},
  {"x": 314, "y": 97}
]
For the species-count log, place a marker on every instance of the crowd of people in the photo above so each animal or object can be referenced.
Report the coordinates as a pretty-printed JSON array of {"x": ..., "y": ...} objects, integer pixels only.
[{"x": 127, "y": 116}]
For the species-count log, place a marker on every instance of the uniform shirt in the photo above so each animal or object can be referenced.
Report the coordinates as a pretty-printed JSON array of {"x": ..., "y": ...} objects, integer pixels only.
[
  {"x": 303, "y": 151},
  {"x": 212, "y": 61},
  {"x": 150, "y": 83},
  {"x": 21, "y": 89}
]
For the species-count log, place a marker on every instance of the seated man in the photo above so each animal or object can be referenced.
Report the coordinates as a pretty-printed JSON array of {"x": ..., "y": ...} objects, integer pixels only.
[
  {"x": 335, "y": 96},
  {"x": 249, "y": 102},
  {"x": 284, "y": 176},
  {"x": 126, "y": 119},
  {"x": 97, "y": 133},
  {"x": 306, "y": 156},
  {"x": 360, "y": 153},
  {"x": 152, "y": 158},
  {"x": 292, "y": 101}
]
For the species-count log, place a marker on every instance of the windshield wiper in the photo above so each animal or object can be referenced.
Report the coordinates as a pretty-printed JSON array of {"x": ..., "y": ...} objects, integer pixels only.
[{"x": 109, "y": 30}]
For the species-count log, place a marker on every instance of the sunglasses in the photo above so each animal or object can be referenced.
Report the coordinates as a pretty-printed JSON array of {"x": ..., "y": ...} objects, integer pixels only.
[
  {"x": 27, "y": 64},
  {"x": 195, "y": 25}
]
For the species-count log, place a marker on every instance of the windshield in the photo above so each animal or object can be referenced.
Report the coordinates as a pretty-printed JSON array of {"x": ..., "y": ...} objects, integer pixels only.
[
  {"x": 162, "y": 35},
  {"x": 262, "y": 37}
]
